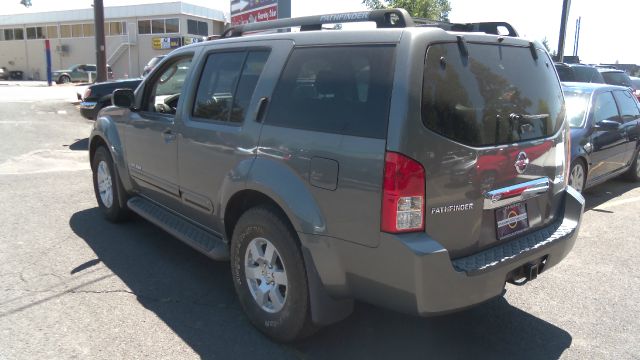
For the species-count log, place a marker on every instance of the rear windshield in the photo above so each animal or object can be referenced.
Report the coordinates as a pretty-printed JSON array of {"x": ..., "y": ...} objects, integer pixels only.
[
  {"x": 565, "y": 73},
  {"x": 577, "y": 104},
  {"x": 617, "y": 78},
  {"x": 497, "y": 95},
  {"x": 587, "y": 74}
]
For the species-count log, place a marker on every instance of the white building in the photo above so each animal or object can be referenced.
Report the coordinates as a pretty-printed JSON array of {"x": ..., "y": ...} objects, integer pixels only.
[{"x": 134, "y": 34}]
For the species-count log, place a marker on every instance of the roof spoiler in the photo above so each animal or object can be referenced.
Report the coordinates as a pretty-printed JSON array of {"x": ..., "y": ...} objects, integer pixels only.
[{"x": 384, "y": 18}]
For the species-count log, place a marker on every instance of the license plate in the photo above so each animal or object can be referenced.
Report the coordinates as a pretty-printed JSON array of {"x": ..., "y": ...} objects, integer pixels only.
[{"x": 511, "y": 220}]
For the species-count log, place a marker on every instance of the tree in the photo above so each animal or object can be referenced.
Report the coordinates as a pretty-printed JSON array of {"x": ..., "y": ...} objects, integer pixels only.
[
  {"x": 428, "y": 9},
  {"x": 545, "y": 43},
  {"x": 26, "y": 3}
]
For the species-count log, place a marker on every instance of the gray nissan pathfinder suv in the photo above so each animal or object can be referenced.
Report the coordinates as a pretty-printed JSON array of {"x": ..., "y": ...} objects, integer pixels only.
[{"x": 418, "y": 167}]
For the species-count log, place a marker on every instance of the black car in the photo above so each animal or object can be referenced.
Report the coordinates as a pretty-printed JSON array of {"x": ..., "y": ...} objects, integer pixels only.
[
  {"x": 579, "y": 73},
  {"x": 98, "y": 96},
  {"x": 605, "y": 130},
  {"x": 616, "y": 77}
]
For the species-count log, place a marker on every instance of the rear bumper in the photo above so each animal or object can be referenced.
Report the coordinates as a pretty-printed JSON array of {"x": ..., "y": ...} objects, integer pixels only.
[{"x": 414, "y": 273}]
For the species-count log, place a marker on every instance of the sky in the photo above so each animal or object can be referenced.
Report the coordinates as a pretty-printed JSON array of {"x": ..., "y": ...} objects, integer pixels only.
[{"x": 607, "y": 35}]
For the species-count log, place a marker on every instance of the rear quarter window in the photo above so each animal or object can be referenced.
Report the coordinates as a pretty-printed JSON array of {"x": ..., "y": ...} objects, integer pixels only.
[
  {"x": 497, "y": 95},
  {"x": 343, "y": 89}
]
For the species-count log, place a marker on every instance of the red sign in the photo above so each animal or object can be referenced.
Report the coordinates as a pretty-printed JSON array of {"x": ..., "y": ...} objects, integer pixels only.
[{"x": 266, "y": 13}]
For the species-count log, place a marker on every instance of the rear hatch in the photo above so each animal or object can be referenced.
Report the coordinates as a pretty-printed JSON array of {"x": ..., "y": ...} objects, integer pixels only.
[{"x": 495, "y": 166}]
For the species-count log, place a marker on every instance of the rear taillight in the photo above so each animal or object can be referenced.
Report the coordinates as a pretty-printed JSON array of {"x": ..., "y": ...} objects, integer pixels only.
[
  {"x": 567, "y": 154},
  {"x": 403, "y": 194},
  {"x": 87, "y": 93}
]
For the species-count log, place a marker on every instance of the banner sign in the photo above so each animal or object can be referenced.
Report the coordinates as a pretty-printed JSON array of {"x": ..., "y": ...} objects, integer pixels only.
[
  {"x": 191, "y": 40},
  {"x": 249, "y": 11},
  {"x": 164, "y": 43}
]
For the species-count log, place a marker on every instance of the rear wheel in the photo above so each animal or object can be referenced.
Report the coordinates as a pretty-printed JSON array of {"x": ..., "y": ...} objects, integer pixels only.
[
  {"x": 269, "y": 275},
  {"x": 578, "y": 176},
  {"x": 105, "y": 185},
  {"x": 633, "y": 173}
]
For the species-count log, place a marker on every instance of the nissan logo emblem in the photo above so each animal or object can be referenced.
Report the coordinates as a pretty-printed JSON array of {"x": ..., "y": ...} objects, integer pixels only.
[{"x": 522, "y": 160}]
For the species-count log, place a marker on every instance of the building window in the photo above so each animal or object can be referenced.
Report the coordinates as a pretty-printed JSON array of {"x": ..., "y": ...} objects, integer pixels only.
[
  {"x": 8, "y": 34},
  {"x": 65, "y": 31},
  {"x": 88, "y": 30},
  {"x": 18, "y": 34},
  {"x": 144, "y": 26},
  {"x": 118, "y": 28},
  {"x": 76, "y": 30},
  {"x": 52, "y": 32},
  {"x": 172, "y": 25},
  {"x": 197, "y": 27},
  {"x": 157, "y": 26}
]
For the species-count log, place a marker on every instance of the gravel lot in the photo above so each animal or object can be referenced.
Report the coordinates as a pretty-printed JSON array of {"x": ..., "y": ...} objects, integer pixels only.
[{"x": 75, "y": 286}]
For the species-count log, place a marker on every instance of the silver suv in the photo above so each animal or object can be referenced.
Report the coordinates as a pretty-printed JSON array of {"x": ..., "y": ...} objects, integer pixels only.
[{"x": 412, "y": 167}]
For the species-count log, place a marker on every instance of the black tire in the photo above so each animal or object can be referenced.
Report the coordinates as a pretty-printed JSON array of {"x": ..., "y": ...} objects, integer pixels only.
[
  {"x": 112, "y": 210},
  {"x": 633, "y": 173},
  {"x": 293, "y": 320},
  {"x": 576, "y": 168},
  {"x": 64, "y": 79}
]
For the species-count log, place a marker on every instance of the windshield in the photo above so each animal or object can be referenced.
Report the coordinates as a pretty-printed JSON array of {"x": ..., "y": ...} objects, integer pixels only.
[
  {"x": 587, "y": 74},
  {"x": 577, "y": 104}
]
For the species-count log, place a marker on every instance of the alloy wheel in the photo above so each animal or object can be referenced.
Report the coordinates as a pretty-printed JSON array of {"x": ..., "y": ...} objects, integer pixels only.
[
  {"x": 105, "y": 184},
  {"x": 266, "y": 275},
  {"x": 577, "y": 178}
]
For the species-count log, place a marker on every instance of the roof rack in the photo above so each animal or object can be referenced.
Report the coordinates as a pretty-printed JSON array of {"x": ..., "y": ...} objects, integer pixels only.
[
  {"x": 485, "y": 27},
  {"x": 384, "y": 18}
]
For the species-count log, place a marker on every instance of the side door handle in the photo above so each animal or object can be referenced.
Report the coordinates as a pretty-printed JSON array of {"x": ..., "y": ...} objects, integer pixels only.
[
  {"x": 168, "y": 135},
  {"x": 262, "y": 107}
]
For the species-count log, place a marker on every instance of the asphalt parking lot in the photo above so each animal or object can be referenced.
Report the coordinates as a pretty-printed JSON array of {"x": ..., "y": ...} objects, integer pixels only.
[{"x": 75, "y": 286}]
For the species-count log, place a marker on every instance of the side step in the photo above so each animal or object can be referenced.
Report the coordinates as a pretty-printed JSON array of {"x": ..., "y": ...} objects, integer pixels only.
[{"x": 195, "y": 236}]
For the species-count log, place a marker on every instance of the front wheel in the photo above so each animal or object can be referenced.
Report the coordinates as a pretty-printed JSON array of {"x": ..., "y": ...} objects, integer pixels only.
[
  {"x": 269, "y": 275},
  {"x": 105, "y": 185},
  {"x": 64, "y": 79},
  {"x": 633, "y": 173},
  {"x": 578, "y": 176}
]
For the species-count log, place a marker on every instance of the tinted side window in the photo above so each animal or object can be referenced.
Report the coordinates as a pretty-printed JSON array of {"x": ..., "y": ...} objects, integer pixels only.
[
  {"x": 605, "y": 108},
  {"x": 227, "y": 84},
  {"x": 344, "y": 90},
  {"x": 628, "y": 108},
  {"x": 165, "y": 89}
]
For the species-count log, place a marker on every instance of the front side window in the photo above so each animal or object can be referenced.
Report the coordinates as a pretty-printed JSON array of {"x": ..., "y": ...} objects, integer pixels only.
[
  {"x": 165, "y": 89},
  {"x": 227, "y": 84},
  {"x": 604, "y": 108},
  {"x": 628, "y": 105},
  {"x": 342, "y": 89},
  {"x": 617, "y": 78}
]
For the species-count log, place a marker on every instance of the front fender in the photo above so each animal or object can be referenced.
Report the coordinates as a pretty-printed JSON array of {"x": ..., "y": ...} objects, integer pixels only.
[
  {"x": 290, "y": 192},
  {"x": 105, "y": 129}
]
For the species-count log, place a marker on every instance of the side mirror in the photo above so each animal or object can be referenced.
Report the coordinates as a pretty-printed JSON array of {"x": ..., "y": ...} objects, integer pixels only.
[
  {"x": 607, "y": 125},
  {"x": 123, "y": 98}
]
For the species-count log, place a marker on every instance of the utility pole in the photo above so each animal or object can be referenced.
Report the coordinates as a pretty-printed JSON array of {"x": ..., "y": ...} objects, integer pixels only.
[
  {"x": 566, "y": 4},
  {"x": 101, "y": 51}
]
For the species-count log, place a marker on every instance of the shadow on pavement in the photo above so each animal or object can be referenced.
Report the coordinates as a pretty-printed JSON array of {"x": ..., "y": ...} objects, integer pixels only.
[
  {"x": 606, "y": 191},
  {"x": 80, "y": 144},
  {"x": 194, "y": 296}
]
